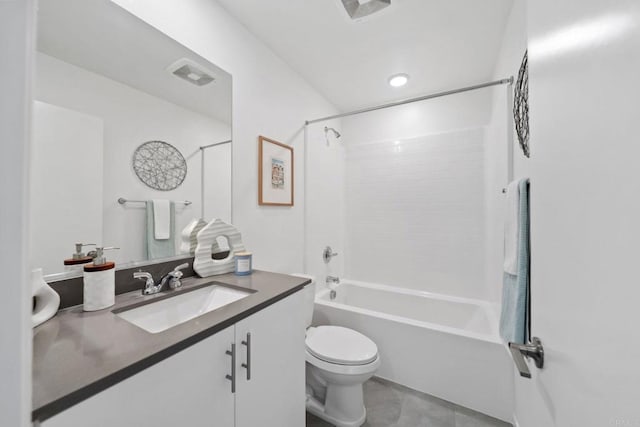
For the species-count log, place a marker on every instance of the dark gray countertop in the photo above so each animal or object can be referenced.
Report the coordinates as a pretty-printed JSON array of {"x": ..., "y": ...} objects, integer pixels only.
[{"x": 77, "y": 354}]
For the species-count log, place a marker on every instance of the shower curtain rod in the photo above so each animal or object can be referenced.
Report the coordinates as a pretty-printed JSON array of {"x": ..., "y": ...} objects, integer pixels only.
[
  {"x": 204, "y": 147},
  {"x": 420, "y": 98}
]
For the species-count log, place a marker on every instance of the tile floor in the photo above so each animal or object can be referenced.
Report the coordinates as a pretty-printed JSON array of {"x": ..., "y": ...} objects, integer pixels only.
[{"x": 392, "y": 405}]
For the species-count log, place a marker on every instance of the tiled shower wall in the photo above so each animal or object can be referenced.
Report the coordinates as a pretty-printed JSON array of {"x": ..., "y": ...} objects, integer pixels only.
[{"x": 414, "y": 212}]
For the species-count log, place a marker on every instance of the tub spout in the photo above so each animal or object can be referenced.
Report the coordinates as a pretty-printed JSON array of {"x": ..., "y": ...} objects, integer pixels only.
[{"x": 333, "y": 279}]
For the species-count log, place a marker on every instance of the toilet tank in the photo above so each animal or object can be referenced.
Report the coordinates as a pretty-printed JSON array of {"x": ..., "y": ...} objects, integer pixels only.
[{"x": 309, "y": 297}]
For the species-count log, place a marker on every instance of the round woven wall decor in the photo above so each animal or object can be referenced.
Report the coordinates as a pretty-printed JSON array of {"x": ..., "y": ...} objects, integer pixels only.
[
  {"x": 159, "y": 165},
  {"x": 521, "y": 106}
]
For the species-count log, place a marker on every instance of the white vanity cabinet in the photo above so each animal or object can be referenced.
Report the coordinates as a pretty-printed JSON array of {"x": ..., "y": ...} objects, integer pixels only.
[
  {"x": 191, "y": 388},
  {"x": 274, "y": 393}
]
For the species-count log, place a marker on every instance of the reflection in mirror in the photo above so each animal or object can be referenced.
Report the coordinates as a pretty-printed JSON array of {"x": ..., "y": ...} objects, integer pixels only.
[
  {"x": 221, "y": 249},
  {"x": 107, "y": 83}
]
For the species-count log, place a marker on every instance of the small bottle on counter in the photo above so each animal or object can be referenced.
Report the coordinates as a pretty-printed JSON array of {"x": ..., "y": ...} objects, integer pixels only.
[
  {"x": 243, "y": 263},
  {"x": 78, "y": 259},
  {"x": 99, "y": 282}
]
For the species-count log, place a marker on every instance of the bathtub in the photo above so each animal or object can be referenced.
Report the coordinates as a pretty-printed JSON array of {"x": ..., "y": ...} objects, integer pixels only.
[{"x": 445, "y": 346}]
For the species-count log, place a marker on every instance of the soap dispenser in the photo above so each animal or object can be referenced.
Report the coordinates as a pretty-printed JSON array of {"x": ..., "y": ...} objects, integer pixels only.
[
  {"x": 99, "y": 282},
  {"x": 78, "y": 258}
]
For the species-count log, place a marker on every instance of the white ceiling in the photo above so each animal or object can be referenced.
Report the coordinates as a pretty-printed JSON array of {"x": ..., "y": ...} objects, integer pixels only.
[
  {"x": 441, "y": 44},
  {"x": 99, "y": 36}
]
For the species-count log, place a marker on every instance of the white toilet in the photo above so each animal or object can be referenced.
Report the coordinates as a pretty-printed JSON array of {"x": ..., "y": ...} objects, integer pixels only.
[{"x": 339, "y": 361}]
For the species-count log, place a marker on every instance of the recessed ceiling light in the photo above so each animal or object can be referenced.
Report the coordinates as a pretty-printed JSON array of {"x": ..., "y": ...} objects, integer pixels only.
[{"x": 398, "y": 80}]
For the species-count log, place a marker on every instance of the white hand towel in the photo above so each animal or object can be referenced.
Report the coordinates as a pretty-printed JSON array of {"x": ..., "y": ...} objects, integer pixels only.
[
  {"x": 161, "y": 219},
  {"x": 511, "y": 229}
]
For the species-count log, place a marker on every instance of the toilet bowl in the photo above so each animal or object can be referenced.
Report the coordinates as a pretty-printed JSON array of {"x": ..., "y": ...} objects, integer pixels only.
[{"x": 338, "y": 362}]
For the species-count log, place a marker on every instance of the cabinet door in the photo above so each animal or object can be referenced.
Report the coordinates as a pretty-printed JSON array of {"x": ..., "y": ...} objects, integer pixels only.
[
  {"x": 186, "y": 389},
  {"x": 275, "y": 393}
]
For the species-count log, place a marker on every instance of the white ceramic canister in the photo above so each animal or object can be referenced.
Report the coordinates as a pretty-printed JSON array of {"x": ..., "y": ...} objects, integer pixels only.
[{"x": 99, "y": 283}]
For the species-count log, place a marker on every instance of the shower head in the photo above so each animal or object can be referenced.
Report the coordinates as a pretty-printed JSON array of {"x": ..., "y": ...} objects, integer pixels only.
[
  {"x": 335, "y": 132},
  {"x": 326, "y": 133}
]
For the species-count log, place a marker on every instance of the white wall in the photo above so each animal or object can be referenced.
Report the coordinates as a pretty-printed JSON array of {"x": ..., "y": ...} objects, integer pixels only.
[
  {"x": 269, "y": 99},
  {"x": 324, "y": 201},
  {"x": 132, "y": 117},
  {"x": 67, "y": 189},
  {"x": 499, "y": 133},
  {"x": 415, "y": 213},
  {"x": 17, "y": 20},
  {"x": 466, "y": 110},
  {"x": 415, "y": 210}
]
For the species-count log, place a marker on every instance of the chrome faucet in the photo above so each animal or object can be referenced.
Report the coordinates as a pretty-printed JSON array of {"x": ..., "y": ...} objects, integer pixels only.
[
  {"x": 172, "y": 278},
  {"x": 150, "y": 286},
  {"x": 332, "y": 279}
]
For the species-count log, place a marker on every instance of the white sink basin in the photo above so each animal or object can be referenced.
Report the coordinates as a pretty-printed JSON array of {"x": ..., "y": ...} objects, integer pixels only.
[{"x": 164, "y": 314}]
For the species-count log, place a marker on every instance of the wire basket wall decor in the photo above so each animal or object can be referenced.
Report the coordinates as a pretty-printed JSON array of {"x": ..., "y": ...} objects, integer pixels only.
[
  {"x": 521, "y": 106},
  {"x": 159, "y": 165}
]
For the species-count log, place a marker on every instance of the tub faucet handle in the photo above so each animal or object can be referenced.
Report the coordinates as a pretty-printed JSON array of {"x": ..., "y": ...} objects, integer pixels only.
[{"x": 327, "y": 254}]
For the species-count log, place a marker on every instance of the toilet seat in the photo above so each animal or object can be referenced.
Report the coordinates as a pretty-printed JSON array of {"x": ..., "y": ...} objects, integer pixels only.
[
  {"x": 346, "y": 370},
  {"x": 341, "y": 346}
]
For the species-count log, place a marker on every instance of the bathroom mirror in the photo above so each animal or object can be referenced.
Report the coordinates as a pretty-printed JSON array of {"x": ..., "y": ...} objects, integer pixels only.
[{"x": 105, "y": 83}]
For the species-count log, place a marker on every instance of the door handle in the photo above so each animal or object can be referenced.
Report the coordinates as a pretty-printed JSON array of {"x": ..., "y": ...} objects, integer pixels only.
[
  {"x": 533, "y": 350},
  {"x": 232, "y": 377},
  {"x": 247, "y": 365}
]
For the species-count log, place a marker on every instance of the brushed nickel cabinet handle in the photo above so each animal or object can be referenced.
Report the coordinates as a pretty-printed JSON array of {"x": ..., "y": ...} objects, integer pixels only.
[
  {"x": 232, "y": 377},
  {"x": 247, "y": 365}
]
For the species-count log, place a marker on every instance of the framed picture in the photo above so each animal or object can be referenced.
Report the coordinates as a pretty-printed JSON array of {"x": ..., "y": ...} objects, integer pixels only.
[{"x": 275, "y": 173}]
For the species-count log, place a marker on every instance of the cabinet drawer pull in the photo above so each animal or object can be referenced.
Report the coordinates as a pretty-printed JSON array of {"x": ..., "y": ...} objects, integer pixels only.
[
  {"x": 232, "y": 377},
  {"x": 247, "y": 365}
]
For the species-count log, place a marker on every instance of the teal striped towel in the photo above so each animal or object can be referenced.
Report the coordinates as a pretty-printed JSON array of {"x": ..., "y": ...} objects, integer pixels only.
[{"x": 514, "y": 316}]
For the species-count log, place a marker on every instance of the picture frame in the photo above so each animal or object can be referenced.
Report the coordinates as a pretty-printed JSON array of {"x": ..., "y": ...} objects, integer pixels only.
[{"x": 275, "y": 173}]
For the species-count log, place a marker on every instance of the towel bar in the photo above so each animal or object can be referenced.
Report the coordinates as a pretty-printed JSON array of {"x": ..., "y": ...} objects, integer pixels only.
[{"x": 122, "y": 201}]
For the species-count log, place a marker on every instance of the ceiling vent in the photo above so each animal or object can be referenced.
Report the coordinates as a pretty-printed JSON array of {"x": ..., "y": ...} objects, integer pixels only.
[
  {"x": 191, "y": 72},
  {"x": 358, "y": 9}
]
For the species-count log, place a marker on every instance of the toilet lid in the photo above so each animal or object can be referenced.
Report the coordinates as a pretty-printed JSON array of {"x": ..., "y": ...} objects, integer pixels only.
[{"x": 335, "y": 344}]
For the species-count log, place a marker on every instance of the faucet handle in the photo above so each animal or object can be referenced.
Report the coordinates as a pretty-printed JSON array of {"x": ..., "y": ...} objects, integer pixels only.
[
  {"x": 176, "y": 273},
  {"x": 327, "y": 254},
  {"x": 181, "y": 267}
]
